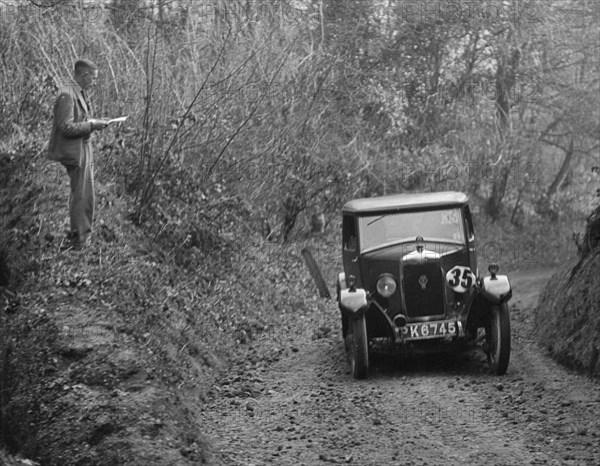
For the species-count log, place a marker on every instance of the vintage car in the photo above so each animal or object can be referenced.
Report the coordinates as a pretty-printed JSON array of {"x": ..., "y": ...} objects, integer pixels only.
[{"x": 411, "y": 281}]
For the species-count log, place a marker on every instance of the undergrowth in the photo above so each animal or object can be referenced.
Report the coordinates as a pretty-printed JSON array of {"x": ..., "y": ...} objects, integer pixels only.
[{"x": 108, "y": 354}]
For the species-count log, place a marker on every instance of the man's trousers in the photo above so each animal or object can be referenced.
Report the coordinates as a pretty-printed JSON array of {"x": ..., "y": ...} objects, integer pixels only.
[{"x": 81, "y": 200}]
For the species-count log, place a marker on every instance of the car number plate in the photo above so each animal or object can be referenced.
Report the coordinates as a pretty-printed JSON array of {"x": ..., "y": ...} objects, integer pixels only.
[{"x": 426, "y": 330}]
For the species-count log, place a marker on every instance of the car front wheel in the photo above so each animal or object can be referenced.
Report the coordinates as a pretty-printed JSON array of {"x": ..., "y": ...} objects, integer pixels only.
[
  {"x": 497, "y": 334},
  {"x": 359, "y": 347}
]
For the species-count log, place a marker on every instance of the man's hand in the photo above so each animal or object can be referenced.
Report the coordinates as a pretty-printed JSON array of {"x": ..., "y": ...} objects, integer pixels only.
[{"x": 98, "y": 125}]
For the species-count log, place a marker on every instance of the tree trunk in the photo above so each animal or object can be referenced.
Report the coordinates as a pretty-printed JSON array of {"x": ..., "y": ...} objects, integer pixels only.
[
  {"x": 494, "y": 203},
  {"x": 562, "y": 173},
  {"x": 505, "y": 81},
  {"x": 292, "y": 206}
]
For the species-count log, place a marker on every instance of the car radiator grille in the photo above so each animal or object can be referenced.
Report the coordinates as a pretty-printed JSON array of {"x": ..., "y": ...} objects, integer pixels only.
[{"x": 423, "y": 288}]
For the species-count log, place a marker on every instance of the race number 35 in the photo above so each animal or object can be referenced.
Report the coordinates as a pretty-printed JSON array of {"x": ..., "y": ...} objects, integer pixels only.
[{"x": 460, "y": 278}]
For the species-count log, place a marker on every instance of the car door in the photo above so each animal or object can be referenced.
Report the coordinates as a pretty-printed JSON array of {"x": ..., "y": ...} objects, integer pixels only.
[{"x": 471, "y": 241}]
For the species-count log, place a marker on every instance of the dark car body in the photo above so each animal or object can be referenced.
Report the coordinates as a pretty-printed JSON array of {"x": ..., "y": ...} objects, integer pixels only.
[{"x": 413, "y": 257}]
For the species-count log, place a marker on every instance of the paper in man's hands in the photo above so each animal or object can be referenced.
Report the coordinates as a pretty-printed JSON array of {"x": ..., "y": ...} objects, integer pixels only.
[{"x": 117, "y": 120}]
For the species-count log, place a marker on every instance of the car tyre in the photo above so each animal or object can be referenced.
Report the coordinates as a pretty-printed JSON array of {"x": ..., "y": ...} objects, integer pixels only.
[
  {"x": 497, "y": 334},
  {"x": 359, "y": 348}
]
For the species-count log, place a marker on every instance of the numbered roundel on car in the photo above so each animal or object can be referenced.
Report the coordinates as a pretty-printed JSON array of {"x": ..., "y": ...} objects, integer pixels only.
[{"x": 460, "y": 278}]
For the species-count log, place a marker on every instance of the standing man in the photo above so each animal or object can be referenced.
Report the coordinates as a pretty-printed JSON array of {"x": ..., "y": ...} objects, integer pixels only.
[{"x": 70, "y": 144}]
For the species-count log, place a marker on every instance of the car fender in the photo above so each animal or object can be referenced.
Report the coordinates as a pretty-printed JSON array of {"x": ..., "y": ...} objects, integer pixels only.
[
  {"x": 496, "y": 289},
  {"x": 341, "y": 283},
  {"x": 354, "y": 301}
]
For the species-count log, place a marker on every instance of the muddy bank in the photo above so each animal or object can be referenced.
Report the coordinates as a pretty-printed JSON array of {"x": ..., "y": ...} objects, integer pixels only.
[{"x": 568, "y": 315}]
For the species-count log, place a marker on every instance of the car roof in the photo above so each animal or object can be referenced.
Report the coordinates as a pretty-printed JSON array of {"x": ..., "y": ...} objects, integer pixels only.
[{"x": 405, "y": 201}]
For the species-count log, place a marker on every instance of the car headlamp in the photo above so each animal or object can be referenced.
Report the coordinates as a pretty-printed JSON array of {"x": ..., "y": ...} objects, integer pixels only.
[{"x": 386, "y": 286}]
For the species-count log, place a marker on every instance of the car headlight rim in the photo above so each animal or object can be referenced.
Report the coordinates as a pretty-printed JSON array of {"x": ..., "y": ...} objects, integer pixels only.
[{"x": 386, "y": 285}]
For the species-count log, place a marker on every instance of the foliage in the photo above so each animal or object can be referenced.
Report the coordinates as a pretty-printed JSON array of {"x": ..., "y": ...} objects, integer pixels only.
[
  {"x": 296, "y": 107},
  {"x": 247, "y": 117}
]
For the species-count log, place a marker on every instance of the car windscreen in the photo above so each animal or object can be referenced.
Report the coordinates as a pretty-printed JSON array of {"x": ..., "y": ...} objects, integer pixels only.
[{"x": 444, "y": 225}]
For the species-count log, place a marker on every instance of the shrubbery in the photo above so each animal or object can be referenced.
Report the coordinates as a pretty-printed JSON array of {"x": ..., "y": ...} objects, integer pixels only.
[{"x": 244, "y": 121}]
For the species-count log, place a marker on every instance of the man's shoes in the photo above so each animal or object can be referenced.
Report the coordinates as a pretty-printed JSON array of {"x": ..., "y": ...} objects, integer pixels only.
[
  {"x": 72, "y": 242},
  {"x": 73, "y": 246},
  {"x": 65, "y": 245}
]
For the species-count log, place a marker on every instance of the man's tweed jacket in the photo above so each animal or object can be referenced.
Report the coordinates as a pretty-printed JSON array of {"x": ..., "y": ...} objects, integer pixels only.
[{"x": 71, "y": 128}]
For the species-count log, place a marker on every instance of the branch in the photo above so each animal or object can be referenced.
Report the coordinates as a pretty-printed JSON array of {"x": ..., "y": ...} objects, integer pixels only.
[
  {"x": 149, "y": 188},
  {"x": 551, "y": 126},
  {"x": 555, "y": 144},
  {"x": 239, "y": 129},
  {"x": 567, "y": 149}
]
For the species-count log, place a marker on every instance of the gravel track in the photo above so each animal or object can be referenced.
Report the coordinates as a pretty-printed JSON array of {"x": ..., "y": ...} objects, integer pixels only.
[{"x": 298, "y": 404}]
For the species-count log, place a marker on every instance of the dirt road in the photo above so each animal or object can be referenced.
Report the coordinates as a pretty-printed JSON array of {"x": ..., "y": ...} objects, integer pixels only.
[{"x": 299, "y": 404}]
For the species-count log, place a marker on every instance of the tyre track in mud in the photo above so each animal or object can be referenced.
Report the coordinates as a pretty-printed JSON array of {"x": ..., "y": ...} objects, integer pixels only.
[{"x": 305, "y": 408}]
